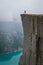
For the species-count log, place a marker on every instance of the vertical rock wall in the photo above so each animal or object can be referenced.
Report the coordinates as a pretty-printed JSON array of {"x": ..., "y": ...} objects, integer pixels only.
[{"x": 33, "y": 46}]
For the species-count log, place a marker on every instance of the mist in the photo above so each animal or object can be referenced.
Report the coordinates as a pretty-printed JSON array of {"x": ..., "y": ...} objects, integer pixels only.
[{"x": 10, "y": 10}]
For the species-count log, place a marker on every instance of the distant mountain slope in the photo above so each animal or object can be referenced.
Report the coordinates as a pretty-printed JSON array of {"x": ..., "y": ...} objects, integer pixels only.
[{"x": 11, "y": 36}]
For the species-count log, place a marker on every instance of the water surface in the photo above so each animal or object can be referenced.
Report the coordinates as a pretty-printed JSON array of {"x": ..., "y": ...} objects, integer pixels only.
[{"x": 11, "y": 58}]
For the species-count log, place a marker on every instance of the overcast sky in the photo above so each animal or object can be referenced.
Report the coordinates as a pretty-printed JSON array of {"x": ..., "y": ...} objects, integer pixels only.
[{"x": 11, "y": 9}]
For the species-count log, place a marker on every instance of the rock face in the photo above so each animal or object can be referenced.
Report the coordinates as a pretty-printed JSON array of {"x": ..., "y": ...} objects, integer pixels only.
[{"x": 33, "y": 39}]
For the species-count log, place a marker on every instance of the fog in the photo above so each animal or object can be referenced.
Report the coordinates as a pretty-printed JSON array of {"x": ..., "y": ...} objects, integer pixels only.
[{"x": 10, "y": 10}]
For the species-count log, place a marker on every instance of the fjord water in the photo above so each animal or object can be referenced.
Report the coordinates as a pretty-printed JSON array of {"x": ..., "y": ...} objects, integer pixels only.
[
  {"x": 11, "y": 37},
  {"x": 11, "y": 58}
]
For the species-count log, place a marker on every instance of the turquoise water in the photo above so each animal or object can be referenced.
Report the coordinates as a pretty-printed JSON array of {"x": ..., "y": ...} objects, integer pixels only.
[{"x": 11, "y": 58}]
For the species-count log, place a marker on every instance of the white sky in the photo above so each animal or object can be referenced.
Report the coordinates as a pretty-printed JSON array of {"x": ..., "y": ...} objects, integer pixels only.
[{"x": 11, "y": 9}]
